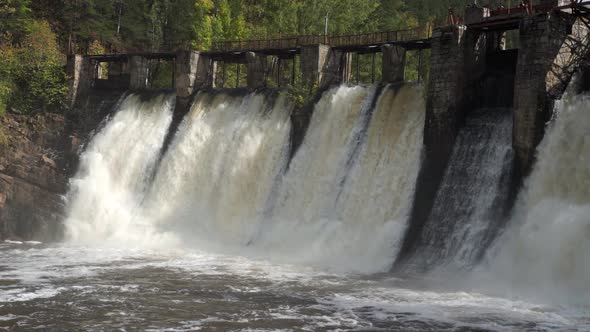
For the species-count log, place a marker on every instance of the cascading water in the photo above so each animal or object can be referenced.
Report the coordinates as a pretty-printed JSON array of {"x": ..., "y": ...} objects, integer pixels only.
[
  {"x": 106, "y": 193},
  {"x": 343, "y": 203},
  {"x": 225, "y": 185},
  {"x": 222, "y": 186},
  {"x": 547, "y": 245},
  {"x": 217, "y": 175},
  {"x": 470, "y": 205}
]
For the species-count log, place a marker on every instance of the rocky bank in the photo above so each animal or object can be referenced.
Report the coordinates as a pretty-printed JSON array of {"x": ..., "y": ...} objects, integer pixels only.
[{"x": 38, "y": 154}]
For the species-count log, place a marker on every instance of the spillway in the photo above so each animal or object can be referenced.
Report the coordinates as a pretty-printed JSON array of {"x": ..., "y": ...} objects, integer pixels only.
[
  {"x": 347, "y": 192},
  {"x": 226, "y": 184},
  {"x": 218, "y": 224},
  {"x": 547, "y": 243},
  {"x": 217, "y": 175},
  {"x": 470, "y": 206},
  {"x": 104, "y": 202}
]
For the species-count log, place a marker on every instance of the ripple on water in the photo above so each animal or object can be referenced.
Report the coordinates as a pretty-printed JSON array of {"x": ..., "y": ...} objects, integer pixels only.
[{"x": 72, "y": 289}]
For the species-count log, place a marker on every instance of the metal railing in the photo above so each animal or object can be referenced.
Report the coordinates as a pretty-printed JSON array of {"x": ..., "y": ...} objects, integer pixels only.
[{"x": 358, "y": 40}]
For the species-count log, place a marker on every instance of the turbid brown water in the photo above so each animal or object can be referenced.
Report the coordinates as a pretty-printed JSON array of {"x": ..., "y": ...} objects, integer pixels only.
[{"x": 65, "y": 288}]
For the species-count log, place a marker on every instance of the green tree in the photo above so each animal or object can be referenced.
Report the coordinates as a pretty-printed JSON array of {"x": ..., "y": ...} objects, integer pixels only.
[
  {"x": 35, "y": 71},
  {"x": 84, "y": 21},
  {"x": 14, "y": 20},
  {"x": 202, "y": 24}
]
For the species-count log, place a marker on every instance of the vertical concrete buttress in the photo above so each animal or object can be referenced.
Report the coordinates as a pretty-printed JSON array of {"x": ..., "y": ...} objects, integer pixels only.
[
  {"x": 194, "y": 70},
  {"x": 393, "y": 64},
  {"x": 256, "y": 76},
  {"x": 139, "y": 71},
  {"x": 80, "y": 71},
  {"x": 546, "y": 62},
  {"x": 312, "y": 62},
  {"x": 445, "y": 89},
  {"x": 185, "y": 72}
]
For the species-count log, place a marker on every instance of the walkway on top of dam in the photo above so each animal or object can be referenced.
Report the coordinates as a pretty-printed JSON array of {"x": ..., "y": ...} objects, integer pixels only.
[
  {"x": 414, "y": 38},
  {"x": 411, "y": 39},
  {"x": 475, "y": 17}
]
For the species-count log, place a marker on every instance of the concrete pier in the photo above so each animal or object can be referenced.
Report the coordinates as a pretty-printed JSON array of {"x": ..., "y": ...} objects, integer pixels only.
[
  {"x": 393, "y": 64},
  {"x": 80, "y": 73},
  {"x": 445, "y": 89},
  {"x": 256, "y": 76},
  {"x": 139, "y": 71},
  {"x": 546, "y": 63},
  {"x": 185, "y": 72},
  {"x": 313, "y": 59}
]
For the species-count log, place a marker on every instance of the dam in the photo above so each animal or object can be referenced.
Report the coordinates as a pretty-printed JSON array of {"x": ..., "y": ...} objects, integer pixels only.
[
  {"x": 437, "y": 188},
  {"x": 491, "y": 85}
]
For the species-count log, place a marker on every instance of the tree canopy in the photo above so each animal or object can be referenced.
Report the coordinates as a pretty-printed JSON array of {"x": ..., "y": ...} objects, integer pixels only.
[{"x": 131, "y": 25}]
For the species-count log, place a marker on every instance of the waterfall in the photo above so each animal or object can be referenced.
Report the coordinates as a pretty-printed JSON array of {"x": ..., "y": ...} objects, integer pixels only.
[
  {"x": 219, "y": 171},
  {"x": 547, "y": 243},
  {"x": 223, "y": 184},
  {"x": 349, "y": 215},
  {"x": 470, "y": 204},
  {"x": 113, "y": 177}
]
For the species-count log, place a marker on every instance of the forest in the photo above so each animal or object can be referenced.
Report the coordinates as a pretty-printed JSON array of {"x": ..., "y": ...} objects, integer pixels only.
[{"x": 37, "y": 35}]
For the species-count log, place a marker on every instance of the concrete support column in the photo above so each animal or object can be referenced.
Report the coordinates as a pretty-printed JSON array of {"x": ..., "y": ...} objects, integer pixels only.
[
  {"x": 139, "y": 72},
  {"x": 542, "y": 69},
  {"x": 338, "y": 68},
  {"x": 186, "y": 72},
  {"x": 81, "y": 72},
  {"x": 445, "y": 89},
  {"x": 394, "y": 63},
  {"x": 256, "y": 63},
  {"x": 74, "y": 74},
  {"x": 205, "y": 72},
  {"x": 444, "y": 107},
  {"x": 313, "y": 60}
]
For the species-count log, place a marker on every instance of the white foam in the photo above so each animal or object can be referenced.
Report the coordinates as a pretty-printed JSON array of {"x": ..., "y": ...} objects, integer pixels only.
[{"x": 544, "y": 253}]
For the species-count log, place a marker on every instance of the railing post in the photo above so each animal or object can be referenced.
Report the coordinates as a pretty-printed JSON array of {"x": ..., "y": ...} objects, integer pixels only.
[
  {"x": 393, "y": 64},
  {"x": 293, "y": 70},
  {"x": 223, "y": 75},
  {"x": 358, "y": 72},
  {"x": 238, "y": 76},
  {"x": 373, "y": 69}
]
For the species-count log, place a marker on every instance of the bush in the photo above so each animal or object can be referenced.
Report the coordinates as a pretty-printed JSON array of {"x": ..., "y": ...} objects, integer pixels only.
[
  {"x": 33, "y": 72},
  {"x": 302, "y": 93}
]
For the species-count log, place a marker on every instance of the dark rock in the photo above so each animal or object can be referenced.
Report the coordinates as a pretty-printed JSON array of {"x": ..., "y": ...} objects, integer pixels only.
[{"x": 38, "y": 156}]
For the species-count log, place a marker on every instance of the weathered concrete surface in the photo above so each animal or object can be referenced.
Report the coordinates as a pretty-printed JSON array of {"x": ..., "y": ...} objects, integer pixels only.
[
  {"x": 256, "y": 64},
  {"x": 313, "y": 59},
  {"x": 139, "y": 70},
  {"x": 323, "y": 66},
  {"x": 80, "y": 72},
  {"x": 393, "y": 64},
  {"x": 205, "y": 73},
  {"x": 445, "y": 104},
  {"x": 545, "y": 66},
  {"x": 445, "y": 89},
  {"x": 186, "y": 72},
  {"x": 338, "y": 68}
]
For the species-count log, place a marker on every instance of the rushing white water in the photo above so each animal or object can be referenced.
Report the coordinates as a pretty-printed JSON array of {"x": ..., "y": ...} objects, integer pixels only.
[
  {"x": 344, "y": 202},
  {"x": 470, "y": 204},
  {"x": 223, "y": 185},
  {"x": 72, "y": 288},
  {"x": 548, "y": 244},
  {"x": 214, "y": 182},
  {"x": 106, "y": 193}
]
